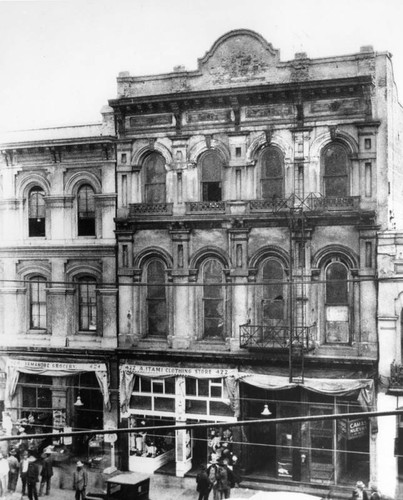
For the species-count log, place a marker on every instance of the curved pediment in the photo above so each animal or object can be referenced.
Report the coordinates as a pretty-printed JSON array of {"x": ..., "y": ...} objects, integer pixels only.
[{"x": 239, "y": 54}]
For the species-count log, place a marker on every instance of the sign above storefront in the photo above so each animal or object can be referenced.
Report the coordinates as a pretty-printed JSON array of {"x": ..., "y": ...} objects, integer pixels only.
[
  {"x": 51, "y": 365},
  {"x": 172, "y": 371},
  {"x": 353, "y": 428}
]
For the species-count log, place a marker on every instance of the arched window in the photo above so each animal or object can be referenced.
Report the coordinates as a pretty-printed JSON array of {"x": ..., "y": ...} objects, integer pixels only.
[
  {"x": 87, "y": 304},
  {"x": 157, "y": 317},
  {"x": 273, "y": 292},
  {"x": 271, "y": 168},
  {"x": 337, "y": 303},
  {"x": 335, "y": 165},
  {"x": 86, "y": 211},
  {"x": 211, "y": 172},
  {"x": 154, "y": 178},
  {"x": 36, "y": 212},
  {"x": 37, "y": 302},
  {"x": 213, "y": 299}
]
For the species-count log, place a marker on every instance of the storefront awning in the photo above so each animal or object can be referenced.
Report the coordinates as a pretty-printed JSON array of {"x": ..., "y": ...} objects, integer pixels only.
[{"x": 54, "y": 369}]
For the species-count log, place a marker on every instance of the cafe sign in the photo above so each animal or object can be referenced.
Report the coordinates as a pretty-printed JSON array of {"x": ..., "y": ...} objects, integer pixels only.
[{"x": 353, "y": 428}]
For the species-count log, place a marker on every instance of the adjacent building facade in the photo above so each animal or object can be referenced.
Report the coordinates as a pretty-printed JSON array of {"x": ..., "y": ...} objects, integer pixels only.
[
  {"x": 58, "y": 301},
  {"x": 256, "y": 201}
]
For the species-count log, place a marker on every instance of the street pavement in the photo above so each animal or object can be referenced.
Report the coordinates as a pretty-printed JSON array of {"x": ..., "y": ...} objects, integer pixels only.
[{"x": 162, "y": 487}]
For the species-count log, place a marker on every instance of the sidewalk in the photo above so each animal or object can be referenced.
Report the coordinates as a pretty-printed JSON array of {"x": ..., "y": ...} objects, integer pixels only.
[{"x": 162, "y": 487}]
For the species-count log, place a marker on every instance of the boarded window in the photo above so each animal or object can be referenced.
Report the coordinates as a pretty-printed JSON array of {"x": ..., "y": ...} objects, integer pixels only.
[
  {"x": 213, "y": 299},
  {"x": 211, "y": 171},
  {"x": 335, "y": 165},
  {"x": 36, "y": 212},
  {"x": 156, "y": 299},
  {"x": 86, "y": 211},
  {"x": 154, "y": 177},
  {"x": 271, "y": 162}
]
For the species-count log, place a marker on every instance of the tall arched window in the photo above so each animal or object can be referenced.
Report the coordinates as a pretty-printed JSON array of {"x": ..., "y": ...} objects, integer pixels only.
[
  {"x": 337, "y": 303},
  {"x": 87, "y": 303},
  {"x": 154, "y": 178},
  {"x": 211, "y": 171},
  {"x": 272, "y": 173},
  {"x": 36, "y": 212},
  {"x": 335, "y": 165},
  {"x": 157, "y": 317},
  {"x": 213, "y": 299},
  {"x": 86, "y": 211},
  {"x": 37, "y": 302},
  {"x": 273, "y": 292}
]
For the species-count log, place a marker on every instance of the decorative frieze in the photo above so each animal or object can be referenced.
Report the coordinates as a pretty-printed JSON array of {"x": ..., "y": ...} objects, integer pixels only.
[
  {"x": 209, "y": 115},
  {"x": 351, "y": 106},
  {"x": 271, "y": 111},
  {"x": 157, "y": 120}
]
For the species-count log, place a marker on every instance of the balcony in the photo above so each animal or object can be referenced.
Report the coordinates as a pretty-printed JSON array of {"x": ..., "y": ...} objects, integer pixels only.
[
  {"x": 275, "y": 337},
  {"x": 205, "y": 207},
  {"x": 330, "y": 204},
  {"x": 142, "y": 209},
  {"x": 396, "y": 378}
]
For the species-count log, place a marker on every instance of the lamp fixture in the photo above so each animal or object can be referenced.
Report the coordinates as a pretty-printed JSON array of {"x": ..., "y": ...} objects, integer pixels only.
[
  {"x": 266, "y": 412},
  {"x": 78, "y": 401}
]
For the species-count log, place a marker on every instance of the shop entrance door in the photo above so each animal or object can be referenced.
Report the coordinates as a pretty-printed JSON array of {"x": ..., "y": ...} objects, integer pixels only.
[
  {"x": 321, "y": 446},
  {"x": 288, "y": 446}
]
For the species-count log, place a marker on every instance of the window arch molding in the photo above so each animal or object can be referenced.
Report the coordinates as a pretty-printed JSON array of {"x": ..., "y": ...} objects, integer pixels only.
[
  {"x": 25, "y": 185},
  {"x": 200, "y": 147},
  {"x": 141, "y": 258},
  {"x": 324, "y": 139},
  {"x": 140, "y": 153},
  {"x": 269, "y": 251},
  {"x": 209, "y": 252},
  {"x": 79, "y": 179},
  {"x": 325, "y": 254}
]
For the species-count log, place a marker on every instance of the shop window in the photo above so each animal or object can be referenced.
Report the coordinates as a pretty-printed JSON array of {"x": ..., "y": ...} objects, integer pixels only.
[
  {"x": 87, "y": 303},
  {"x": 205, "y": 397},
  {"x": 150, "y": 444},
  {"x": 213, "y": 299},
  {"x": 271, "y": 173},
  {"x": 337, "y": 303},
  {"x": 154, "y": 394},
  {"x": 335, "y": 165},
  {"x": 154, "y": 178},
  {"x": 273, "y": 293},
  {"x": 157, "y": 318},
  {"x": 36, "y": 403},
  {"x": 211, "y": 171},
  {"x": 36, "y": 212},
  {"x": 86, "y": 211},
  {"x": 37, "y": 302}
]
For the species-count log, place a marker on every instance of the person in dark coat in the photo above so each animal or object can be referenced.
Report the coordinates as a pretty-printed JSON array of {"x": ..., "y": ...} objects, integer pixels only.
[
  {"x": 80, "y": 481},
  {"x": 225, "y": 480},
  {"x": 46, "y": 472},
  {"x": 23, "y": 471},
  {"x": 32, "y": 476},
  {"x": 204, "y": 484},
  {"x": 359, "y": 492}
]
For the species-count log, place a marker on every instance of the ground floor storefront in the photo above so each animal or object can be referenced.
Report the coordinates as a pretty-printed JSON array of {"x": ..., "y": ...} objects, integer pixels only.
[
  {"x": 322, "y": 452},
  {"x": 48, "y": 396}
]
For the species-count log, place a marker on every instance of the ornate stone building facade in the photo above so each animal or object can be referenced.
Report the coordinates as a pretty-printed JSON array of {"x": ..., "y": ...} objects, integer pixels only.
[
  {"x": 250, "y": 195},
  {"x": 57, "y": 266}
]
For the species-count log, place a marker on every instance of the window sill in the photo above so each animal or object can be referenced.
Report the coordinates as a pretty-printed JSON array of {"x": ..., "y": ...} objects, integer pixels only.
[
  {"x": 38, "y": 331},
  {"x": 89, "y": 237}
]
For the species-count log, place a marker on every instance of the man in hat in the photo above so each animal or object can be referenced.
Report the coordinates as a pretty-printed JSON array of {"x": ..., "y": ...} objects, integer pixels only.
[
  {"x": 80, "y": 481},
  {"x": 359, "y": 492},
  {"x": 13, "y": 469},
  {"x": 46, "y": 472},
  {"x": 3, "y": 475},
  {"x": 32, "y": 475}
]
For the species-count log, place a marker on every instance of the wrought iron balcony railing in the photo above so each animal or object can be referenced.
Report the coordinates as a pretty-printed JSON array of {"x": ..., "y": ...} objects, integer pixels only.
[
  {"x": 140, "y": 209},
  {"x": 396, "y": 376},
  {"x": 205, "y": 207},
  {"x": 333, "y": 203},
  {"x": 275, "y": 337}
]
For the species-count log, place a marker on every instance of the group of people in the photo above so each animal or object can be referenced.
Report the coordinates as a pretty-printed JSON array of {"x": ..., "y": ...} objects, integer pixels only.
[
  {"x": 360, "y": 493},
  {"x": 27, "y": 468},
  {"x": 218, "y": 477}
]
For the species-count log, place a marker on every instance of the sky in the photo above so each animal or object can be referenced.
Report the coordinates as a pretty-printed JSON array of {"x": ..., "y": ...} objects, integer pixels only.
[{"x": 59, "y": 59}]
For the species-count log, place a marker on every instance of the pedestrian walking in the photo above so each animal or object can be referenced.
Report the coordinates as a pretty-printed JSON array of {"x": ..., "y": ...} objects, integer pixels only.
[
  {"x": 4, "y": 468},
  {"x": 46, "y": 472},
  {"x": 23, "y": 471},
  {"x": 80, "y": 481},
  {"x": 375, "y": 495},
  {"x": 13, "y": 469},
  {"x": 32, "y": 476},
  {"x": 203, "y": 483},
  {"x": 212, "y": 472},
  {"x": 359, "y": 492}
]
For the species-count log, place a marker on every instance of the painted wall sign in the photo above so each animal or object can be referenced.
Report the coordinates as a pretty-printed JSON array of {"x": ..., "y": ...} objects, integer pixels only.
[
  {"x": 353, "y": 428},
  {"x": 161, "y": 371}
]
